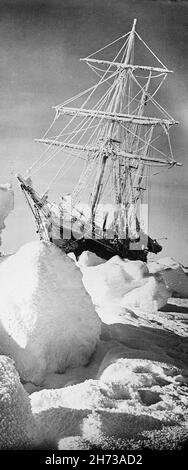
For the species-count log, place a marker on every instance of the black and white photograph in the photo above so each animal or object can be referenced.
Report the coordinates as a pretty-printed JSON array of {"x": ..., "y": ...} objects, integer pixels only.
[{"x": 93, "y": 230}]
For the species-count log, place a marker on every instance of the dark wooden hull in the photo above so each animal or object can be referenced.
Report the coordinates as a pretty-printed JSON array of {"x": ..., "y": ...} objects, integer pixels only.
[{"x": 106, "y": 248}]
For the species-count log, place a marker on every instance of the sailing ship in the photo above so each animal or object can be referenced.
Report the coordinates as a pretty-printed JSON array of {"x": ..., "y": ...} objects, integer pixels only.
[{"x": 109, "y": 146}]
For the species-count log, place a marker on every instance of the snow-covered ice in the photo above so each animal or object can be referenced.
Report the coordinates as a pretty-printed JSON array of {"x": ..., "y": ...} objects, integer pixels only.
[
  {"x": 47, "y": 320},
  {"x": 117, "y": 285},
  {"x": 17, "y": 427},
  {"x": 132, "y": 390}
]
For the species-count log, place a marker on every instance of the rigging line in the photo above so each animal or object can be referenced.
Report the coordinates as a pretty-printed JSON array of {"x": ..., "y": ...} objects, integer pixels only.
[
  {"x": 83, "y": 182},
  {"x": 72, "y": 119},
  {"x": 79, "y": 95},
  {"x": 70, "y": 154},
  {"x": 84, "y": 170},
  {"x": 59, "y": 171},
  {"x": 93, "y": 90},
  {"x": 105, "y": 98},
  {"x": 170, "y": 146},
  {"x": 40, "y": 157},
  {"x": 95, "y": 106},
  {"x": 51, "y": 125},
  {"x": 151, "y": 97},
  {"x": 139, "y": 37},
  {"x": 88, "y": 89},
  {"x": 125, "y": 52},
  {"x": 159, "y": 172},
  {"x": 107, "y": 70},
  {"x": 142, "y": 140},
  {"x": 153, "y": 140},
  {"x": 101, "y": 101},
  {"x": 93, "y": 69},
  {"x": 72, "y": 132},
  {"x": 83, "y": 121},
  {"x": 108, "y": 45},
  {"x": 102, "y": 118},
  {"x": 156, "y": 91},
  {"x": 134, "y": 98}
]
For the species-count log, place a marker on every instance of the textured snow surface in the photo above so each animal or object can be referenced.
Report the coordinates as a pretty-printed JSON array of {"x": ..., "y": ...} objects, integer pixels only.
[
  {"x": 128, "y": 398},
  {"x": 121, "y": 284},
  {"x": 132, "y": 390},
  {"x": 17, "y": 427},
  {"x": 47, "y": 320}
]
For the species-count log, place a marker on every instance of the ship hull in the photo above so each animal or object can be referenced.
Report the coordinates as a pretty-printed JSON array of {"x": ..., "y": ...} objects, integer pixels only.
[
  {"x": 70, "y": 234},
  {"x": 103, "y": 247}
]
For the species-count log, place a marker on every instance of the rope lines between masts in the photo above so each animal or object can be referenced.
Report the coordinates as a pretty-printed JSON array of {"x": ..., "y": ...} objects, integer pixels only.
[
  {"x": 142, "y": 140},
  {"x": 93, "y": 89},
  {"x": 68, "y": 124},
  {"x": 151, "y": 97},
  {"x": 97, "y": 129},
  {"x": 76, "y": 131},
  {"x": 101, "y": 101}
]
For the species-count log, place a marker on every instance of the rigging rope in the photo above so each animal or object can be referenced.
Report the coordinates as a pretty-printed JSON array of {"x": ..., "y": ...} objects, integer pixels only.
[
  {"x": 108, "y": 45},
  {"x": 150, "y": 49},
  {"x": 93, "y": 89}
]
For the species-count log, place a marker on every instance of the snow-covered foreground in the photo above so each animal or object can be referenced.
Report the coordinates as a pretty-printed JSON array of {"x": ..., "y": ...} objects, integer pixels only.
[{"x": 126, "y": 381}]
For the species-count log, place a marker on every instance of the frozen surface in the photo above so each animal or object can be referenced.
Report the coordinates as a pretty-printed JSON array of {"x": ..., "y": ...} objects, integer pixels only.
[
  {"x": 17, "y": 427},
  {"x": 47, "y": 320},
  {"x": 131, "y": 389},
  {"x": 119, "y": 284}
]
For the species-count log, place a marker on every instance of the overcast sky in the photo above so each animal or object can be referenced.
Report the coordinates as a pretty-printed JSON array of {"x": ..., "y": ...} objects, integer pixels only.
[{"x": 40, "y": 46}]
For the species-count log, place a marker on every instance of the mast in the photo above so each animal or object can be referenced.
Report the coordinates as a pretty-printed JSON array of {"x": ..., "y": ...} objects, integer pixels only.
[{"x": 109, "y": 131}]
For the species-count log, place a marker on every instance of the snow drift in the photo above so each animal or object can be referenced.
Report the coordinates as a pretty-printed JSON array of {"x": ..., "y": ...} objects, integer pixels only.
[
  {"x": 47, "y": 320},
  {"x": 17, "y": 426},
  {"x": 129, "y": 376},
  {"x": 131, "y": 396},
  {"x": 121, "y": 284}
]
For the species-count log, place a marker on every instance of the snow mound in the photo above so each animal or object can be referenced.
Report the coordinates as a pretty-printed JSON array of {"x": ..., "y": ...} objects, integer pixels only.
[
  {"x": 123, "y": 283},
  {"x": 17, "y": 426},
  {"x": 130, "y": 396},
  {"x": 87, "y": 258},
  {"x": 47, "y": 321},
  {"x": 149, "y": 297}
]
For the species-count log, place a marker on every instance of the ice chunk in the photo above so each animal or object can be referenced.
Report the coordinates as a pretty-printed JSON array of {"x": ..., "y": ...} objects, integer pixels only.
[
  {"x": 125, "y": 283},
  {"x": 47, "y": 320},
  {"x": 17, "y": 425}
]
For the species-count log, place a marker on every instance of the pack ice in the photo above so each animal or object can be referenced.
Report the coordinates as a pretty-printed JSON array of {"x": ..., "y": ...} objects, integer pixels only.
[{"x": 47, "y": 320}]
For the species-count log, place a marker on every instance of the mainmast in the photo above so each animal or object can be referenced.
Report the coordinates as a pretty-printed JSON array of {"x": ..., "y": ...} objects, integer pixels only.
[{"x": 109, "y": 128}]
